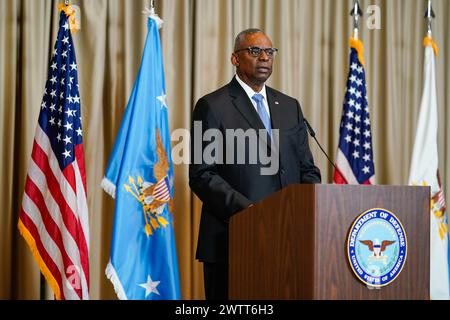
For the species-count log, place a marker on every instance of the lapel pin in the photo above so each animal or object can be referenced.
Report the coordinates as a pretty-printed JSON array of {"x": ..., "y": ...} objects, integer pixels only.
[{"x": 276, "y": 102}]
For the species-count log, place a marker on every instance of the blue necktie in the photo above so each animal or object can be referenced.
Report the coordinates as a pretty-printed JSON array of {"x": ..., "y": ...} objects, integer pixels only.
[{"x": 259, "y": 98}]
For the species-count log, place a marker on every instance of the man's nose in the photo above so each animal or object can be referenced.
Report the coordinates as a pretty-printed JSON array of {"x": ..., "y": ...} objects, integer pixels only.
[{"x": 264, "y": 56}]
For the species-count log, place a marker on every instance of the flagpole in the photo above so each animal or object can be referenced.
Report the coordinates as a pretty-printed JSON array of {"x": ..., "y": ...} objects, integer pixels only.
[
  {"x": 356, "y": 13},
  {"x": 42, "y": 287},
  {"x": 152, "y": 6},
  {"x": 429, "y": 15}
]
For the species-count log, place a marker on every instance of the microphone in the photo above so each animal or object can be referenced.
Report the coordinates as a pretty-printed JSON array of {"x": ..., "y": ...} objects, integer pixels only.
[{"x": 312, "y": 133}]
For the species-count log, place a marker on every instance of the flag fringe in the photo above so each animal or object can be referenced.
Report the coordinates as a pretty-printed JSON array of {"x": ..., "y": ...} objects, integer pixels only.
[
  {"x": 359, "y": 47},
  {"x": 109, "y": 187},
  {"x": 42, "y": 266},
  {"x": 111, "y": 274},
  {"x": 427, "y": 41}
]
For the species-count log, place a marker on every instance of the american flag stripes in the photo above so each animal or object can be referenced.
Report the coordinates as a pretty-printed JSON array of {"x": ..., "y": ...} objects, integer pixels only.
[
  {"x": 162, "y": 192},
  {"x": 53, "y": 218},
  {"x": 355, "y": 154}
]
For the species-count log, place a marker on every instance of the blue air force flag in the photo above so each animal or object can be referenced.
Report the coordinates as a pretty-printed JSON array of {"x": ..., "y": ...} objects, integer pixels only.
[{"x": 143, "y": 262}]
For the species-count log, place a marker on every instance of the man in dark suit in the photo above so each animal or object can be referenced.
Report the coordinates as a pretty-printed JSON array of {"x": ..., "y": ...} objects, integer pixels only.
[{"x": 225, "y": 188}]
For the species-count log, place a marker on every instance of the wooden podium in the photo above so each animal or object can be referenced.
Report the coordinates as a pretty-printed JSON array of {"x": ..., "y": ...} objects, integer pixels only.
[{"x": 292, "y": 245}]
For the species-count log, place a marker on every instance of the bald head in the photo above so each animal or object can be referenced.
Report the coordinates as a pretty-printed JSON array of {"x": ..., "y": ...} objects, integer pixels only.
[{"x": 240, "y": 38}]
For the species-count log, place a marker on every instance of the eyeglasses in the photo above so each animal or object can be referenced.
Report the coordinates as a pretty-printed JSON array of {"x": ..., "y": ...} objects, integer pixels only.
[{"x": 256, "y": 51}]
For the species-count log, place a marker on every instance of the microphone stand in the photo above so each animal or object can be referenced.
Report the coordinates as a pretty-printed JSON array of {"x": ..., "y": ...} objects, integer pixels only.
[{"x": 312, "y": 133}]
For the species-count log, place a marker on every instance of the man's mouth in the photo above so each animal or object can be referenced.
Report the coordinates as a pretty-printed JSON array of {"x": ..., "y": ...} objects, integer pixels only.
[{"x": 263, "y": 69}]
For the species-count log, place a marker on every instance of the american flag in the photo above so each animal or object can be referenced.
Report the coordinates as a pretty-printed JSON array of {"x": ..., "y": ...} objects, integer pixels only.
[
  {"x": 162, "y": 192},
  {"x": 53, "y": 218},
  {"x": 354, "y": 160}
]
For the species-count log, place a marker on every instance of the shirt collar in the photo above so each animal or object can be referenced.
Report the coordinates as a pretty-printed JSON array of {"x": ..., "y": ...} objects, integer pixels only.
[{"x": 250, "y": 92}]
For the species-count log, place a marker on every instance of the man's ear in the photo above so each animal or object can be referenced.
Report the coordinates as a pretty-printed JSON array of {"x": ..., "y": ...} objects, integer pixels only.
[{"x": 235, "y": 60}]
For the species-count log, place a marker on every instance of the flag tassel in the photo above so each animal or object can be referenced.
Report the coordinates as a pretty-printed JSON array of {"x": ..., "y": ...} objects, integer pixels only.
[
  {"x": 37, "y": 257},
  {"x": 111, "y": 274},
  {"x": 109, "y": 187}
]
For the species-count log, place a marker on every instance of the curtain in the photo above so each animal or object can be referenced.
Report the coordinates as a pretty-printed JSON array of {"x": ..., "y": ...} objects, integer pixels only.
[{"x": 198, "y": 38}]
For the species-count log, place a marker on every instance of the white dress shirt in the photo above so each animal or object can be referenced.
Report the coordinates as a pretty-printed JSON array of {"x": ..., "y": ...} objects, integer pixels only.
[{"x": 250, "y": 92}]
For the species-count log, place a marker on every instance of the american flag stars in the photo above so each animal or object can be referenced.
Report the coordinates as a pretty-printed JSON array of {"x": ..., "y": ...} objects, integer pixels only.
[{"x": 60, "y": 116}]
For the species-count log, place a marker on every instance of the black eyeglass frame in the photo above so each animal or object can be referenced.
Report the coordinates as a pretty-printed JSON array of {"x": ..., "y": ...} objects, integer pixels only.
[{"x": 270, "y": 52}]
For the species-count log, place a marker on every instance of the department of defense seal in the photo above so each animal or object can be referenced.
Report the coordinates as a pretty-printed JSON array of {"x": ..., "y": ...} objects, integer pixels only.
[{"x": 377, "y": 247}]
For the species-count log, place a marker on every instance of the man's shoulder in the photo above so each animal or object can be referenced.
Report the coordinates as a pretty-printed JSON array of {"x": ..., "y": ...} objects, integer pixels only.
[
  {"x": 218, "y": 95},
  {"x": 214, "y": 103}
]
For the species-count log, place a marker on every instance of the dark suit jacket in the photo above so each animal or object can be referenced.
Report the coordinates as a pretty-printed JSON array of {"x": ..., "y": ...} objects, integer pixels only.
[{"x": 227, "y": 189}]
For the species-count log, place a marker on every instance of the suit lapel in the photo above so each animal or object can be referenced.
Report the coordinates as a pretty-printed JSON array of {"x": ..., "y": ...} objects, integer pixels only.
[
  {"x": 276, "y": 114},
  {"x": 244, "y": 105},
  {"x": 246, "y": 108}
]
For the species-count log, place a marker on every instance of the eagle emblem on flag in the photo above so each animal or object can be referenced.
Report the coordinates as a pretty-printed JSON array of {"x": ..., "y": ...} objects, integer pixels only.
[{"x": 154, "y": 196}]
